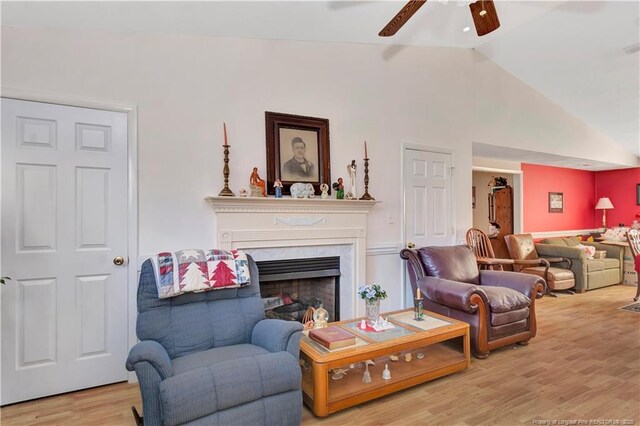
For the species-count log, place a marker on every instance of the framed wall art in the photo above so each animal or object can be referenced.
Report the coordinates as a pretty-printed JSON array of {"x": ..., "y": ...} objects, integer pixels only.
[
  {"x": 556, "y": 202},
  {"x": 637, "y": 194},
  {"x": 297, "y": 151}
]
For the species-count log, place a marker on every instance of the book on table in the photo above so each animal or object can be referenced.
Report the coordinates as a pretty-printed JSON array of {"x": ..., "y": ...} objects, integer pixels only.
[{"x": 332, "y": 337}]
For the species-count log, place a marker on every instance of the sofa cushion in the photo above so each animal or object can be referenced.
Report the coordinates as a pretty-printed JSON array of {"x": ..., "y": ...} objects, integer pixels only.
[
  {"x": 555, "y": 241},
  {"x": 201, "y": 391},
  {"x": 456, "y": 263},
  {"x": 568, "y": 241},
  {"x": 572, "y": 241},
  {"x": 503, "y": 299},
  {"x": 211, "y": 356},
  {"x": 556, "y": 274},
  {"x": 502, "y": 318},
  {"x": 594, "y": 265},
  {"x": 611, "y": 263}
]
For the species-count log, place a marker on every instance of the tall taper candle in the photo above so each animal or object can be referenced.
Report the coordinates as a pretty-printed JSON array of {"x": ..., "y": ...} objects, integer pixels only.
[
  {"x": 365, "y": 150},
  {"x": 224, "y": 126}
]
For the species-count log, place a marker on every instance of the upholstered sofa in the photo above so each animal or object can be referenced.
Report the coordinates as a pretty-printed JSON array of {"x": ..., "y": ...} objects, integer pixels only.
[
  {"x": 589, "y": 273},
  {"x": 211, "y": 358},
  {"x": 499, "y": 306}
]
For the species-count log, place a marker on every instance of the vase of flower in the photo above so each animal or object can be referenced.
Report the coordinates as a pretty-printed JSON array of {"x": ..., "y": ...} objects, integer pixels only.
[
  {"x": 372, "y": 294},
  {"x": 372, "y": 310}
]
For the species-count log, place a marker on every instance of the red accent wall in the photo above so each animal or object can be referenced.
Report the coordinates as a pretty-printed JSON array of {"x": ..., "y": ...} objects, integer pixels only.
[
  {"x": 578, "y": 188},
  {"x": 620, "y": 187}
]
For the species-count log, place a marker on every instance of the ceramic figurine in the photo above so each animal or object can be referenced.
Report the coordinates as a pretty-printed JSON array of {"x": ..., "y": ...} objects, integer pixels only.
[
  {"x": 420, "y": 355},
  {"x": 243, "y": 192},
  {"x": 394, "y": 358},
  {"x": 302, "y": 190},
  {"x": 351, "y": 169},
  {"x": 339, "y": 188},
  {"x": 258, "y": 187},
  {"x": 407, "y": 357},
  {"x": 324, "y": 188},
  {"x": 320, "y": 317},
  {"x": 278, "y": 188},
  {"x": 311, "y": 192}
]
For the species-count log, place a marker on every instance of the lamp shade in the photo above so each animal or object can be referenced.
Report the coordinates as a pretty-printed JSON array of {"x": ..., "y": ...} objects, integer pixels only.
[{"x": 604, "y": 203}]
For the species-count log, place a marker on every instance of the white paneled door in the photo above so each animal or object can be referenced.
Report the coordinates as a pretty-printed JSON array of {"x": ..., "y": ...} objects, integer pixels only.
[
  {"x": 64, "y": 228},
  {"x": 428, "y": 209}
]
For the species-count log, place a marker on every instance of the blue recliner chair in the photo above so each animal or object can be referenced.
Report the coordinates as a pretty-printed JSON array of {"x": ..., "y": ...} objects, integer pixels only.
[{"x": 213, "y": 359}]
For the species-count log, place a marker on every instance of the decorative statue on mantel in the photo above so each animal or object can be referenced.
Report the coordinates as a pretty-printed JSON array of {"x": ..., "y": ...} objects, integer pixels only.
[
  {"x": 324, "y": 188},
  {"x": 278, "y": 188},
  {"x": 258, "y": 186},
  {"x": 351, "y": 169},
  {"x": 339, "y": 188}
]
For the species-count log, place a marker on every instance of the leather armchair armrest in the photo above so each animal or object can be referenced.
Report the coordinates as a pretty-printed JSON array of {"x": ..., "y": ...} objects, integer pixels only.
[
  {"x": 558, "y": 254},
  {"x": 532, "y": 286},
  {"x": 278, "y": 335},
  {"x": 152, "y": 352},
  {"x": 490, "y": 261},
  {"x": 453, "y": 294}
]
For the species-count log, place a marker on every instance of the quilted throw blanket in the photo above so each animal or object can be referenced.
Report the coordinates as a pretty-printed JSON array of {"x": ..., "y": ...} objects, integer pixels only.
[{"x": 198, "y": 270}]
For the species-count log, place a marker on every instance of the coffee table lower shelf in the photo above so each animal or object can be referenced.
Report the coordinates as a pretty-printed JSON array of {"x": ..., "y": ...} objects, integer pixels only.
[{"x": 445, "y": 350}]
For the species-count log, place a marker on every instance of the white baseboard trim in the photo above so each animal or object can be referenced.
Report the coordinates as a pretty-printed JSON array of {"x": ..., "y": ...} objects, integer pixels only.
[{"x": 569, "y": 233}]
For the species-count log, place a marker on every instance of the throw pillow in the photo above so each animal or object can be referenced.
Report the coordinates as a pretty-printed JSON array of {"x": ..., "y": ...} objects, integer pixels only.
[{"x": 588, "y": 250}]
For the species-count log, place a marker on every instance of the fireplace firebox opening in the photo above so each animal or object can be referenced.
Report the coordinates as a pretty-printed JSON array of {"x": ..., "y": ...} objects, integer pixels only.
[{"x": 290, "y": 286}]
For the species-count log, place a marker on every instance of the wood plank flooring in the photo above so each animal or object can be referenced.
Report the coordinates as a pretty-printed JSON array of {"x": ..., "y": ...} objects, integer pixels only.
[{"x": 584, "y": 365}]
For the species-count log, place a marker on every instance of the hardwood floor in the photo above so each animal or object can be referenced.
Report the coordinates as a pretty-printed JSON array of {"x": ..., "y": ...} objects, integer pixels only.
[{"x": 584, "y": 365}]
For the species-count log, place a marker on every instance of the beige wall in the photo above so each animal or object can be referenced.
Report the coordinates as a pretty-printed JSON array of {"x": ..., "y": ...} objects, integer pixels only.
[{"x": 507, "y": 112}]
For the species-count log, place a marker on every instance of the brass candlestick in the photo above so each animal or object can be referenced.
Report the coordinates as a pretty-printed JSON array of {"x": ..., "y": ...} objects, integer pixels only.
[
  {"x": 226, "y": 192},
  {"x": 366, "y": 195}
]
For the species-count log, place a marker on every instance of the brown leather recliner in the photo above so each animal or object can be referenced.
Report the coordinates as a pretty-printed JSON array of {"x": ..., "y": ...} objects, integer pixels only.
[
  {"x": 498, "y": 305},
  {"x": 522, "y": 248}
]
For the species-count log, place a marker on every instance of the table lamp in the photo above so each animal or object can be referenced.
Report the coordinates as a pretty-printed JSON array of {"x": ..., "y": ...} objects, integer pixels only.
[{"x": 604, "y": 203}]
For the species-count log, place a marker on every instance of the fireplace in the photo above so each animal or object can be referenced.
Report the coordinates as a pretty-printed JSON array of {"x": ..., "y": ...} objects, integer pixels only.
[
  {"x": 290, "y": 286},
  {"x": 271, "y": 229}
]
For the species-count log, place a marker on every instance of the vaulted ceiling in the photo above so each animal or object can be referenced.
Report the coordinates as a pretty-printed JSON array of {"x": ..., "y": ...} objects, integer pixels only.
[{"x": 570, "y": 51}]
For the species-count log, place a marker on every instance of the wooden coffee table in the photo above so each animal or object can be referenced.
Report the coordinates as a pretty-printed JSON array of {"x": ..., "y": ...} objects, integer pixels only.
[{"x": 332, "y": 379}]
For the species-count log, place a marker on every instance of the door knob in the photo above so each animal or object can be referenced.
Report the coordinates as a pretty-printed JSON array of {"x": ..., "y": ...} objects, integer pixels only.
[
  {"x": 411, "y": 245},
  {"x": 118, "y": 260}
]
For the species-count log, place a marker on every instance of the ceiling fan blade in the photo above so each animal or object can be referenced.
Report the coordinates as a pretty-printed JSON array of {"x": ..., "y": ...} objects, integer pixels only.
[
  {"x": 401, "y": 18},
  {"x": 487, "y": 23}
]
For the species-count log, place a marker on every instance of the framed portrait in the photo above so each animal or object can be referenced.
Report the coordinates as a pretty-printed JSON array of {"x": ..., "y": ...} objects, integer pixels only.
[
  {"x": 556, "y": 202},
  {"x": 297, "y": 151}
]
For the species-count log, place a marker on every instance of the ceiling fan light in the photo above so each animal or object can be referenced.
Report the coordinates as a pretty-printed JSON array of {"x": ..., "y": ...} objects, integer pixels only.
[{"x": 483, "y": 13}]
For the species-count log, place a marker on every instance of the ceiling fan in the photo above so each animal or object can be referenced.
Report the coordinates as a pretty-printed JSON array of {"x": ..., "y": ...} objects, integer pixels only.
[{"x": 483, "y": 12}]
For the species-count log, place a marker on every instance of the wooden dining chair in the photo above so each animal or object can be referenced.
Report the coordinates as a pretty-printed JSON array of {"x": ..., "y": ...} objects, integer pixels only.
[
  {"x": 633, "y": 238},
  {"x": 482, "y": 249}
]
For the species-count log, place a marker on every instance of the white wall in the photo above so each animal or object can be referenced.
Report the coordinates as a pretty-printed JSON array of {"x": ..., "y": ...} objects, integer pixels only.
[
  {"x": 185, "y": 87},
  {"x": 507, "y": 112}
]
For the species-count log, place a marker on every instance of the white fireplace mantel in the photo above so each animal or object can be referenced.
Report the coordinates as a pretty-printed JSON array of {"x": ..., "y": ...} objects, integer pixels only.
[
  {"x": 281, "y": 228},
  {"x": 274, "y": 205}
]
